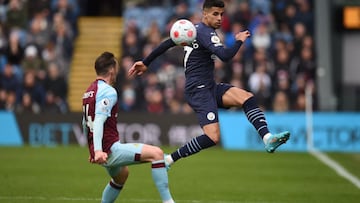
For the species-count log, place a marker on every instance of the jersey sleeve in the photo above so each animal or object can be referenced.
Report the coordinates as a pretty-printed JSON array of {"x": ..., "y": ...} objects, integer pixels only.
[
  {"x": 106, "y": 98},
  {"x": 214, "y": 45},
  {"x": 164, "y": 46}
]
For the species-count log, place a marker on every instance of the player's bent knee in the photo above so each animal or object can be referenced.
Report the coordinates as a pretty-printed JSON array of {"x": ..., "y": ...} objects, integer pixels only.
[
  {"x": 158, "y": 153},
  {"x": 215, "y": 139},
  {"x": 152, "y": 153},
  {"x": 122, "y": 176}
]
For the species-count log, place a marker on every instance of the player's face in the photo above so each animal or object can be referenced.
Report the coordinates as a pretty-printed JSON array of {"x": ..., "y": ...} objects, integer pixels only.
[{"x": 213, "y": 17}]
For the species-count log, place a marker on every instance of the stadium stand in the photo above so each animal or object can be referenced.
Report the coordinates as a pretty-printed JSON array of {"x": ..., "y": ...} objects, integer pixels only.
[{"x": 46, "y": 48}]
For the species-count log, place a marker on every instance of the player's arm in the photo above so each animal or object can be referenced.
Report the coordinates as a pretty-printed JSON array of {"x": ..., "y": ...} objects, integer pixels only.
[
  {"x": 226, "y": 54},
  {"x": 105, "y": 100},
  {"x": 98, "y": 132},
  {"x": 140, "y": 67}
]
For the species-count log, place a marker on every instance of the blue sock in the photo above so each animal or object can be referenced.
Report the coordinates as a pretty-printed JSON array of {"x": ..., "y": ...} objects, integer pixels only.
[
  {"x": 111, "y": 192},
  {"x": 160, "y": 177},
  {"x": 194, "y": 146},
  {"x": 255, "y": 115}
]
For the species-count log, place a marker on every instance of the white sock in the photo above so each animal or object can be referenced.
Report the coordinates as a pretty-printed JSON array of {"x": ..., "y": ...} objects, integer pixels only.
[
  {"x": 169, "y": 201},
  {"x": 266, "y": 137},
  {"x": 168, "y": 159}
]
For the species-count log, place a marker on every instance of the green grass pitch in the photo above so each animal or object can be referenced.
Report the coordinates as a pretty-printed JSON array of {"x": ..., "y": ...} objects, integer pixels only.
[{"x": 62, "y": 174}]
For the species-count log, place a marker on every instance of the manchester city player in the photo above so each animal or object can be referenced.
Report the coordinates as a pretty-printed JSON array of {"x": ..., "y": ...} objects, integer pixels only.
[
  {"x": 201, "y": 91},
  {"x": 100, "y": 112}
]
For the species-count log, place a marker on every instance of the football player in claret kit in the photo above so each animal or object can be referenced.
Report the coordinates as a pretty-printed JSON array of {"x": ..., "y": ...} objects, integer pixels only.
[
  {"x": 201, "y": 91},
  {"x": 100, "y": 110}
]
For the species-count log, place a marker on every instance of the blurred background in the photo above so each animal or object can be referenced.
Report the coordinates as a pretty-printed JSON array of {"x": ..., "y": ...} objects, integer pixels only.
[{"x": 297, "y": 48}]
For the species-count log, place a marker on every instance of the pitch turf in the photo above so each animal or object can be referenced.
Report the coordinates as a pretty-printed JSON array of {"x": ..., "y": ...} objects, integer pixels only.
[{"x": 62, "y": 174}]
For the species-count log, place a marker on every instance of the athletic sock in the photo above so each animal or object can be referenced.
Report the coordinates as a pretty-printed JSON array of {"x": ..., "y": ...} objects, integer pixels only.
[
  {"x": 266, "y": 137},
  {"x": 192, "y": 147},
  {"x": 255, "y": 115},
  {"x": 111, "y": 192},
  {"x": 160, "y": 177}
]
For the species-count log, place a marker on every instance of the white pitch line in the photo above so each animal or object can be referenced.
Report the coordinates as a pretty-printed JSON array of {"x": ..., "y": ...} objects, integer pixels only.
[
  {"x": 64, "y": 199},
  {"x": 341, "y": 171}
]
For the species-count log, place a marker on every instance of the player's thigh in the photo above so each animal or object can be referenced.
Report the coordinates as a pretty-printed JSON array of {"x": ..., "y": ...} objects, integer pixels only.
[
  {"x": 235, "y": 97},
  {"x": 122, "y": 155},
  {"x": 204, "y": 104}
]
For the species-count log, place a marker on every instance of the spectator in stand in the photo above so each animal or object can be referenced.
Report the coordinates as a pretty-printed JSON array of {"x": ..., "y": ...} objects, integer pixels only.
[
  {"x": 51, "y": 104},
  {"x": 281, "y": 102},
  {"x": 260, "y": 85},
  {"x": 290, "y": 12},
  {"x": 237, "y": 76},
  {"x": 69, "y": 9},
  {"x": 39, "y": 31},
  {"x": 58, "y": 19},
  {"x": 153, "y": 94},
  {"x": 305, "y": 15},
  {"x": 10, "y": 101},
  {"x": 27, "y": 105},
  {"x": 282, "y": 83},
  {"x": 127, "y": 100},
  {"x": 8, "y": 79},
  {"x": 300, "y": 102},
  {"x": 261, "y": 38},
  {"x": 300, "y": 33},
  {"x": 15, "y": 53},
  {"x": 154, "y": 101},
  {"x": 307, "y": 65},
  {"x": 16, "y": 16},
  {"x": 243, "y": 14},
  {"x": 132, "y": 45},
  {"x": 63, "y": 46},
  {"x": 32, "y": 62},
  {"x": 34, "y": 88},
  {"x": 181, "y": 10},
  {"x": 56, "y": 88}
]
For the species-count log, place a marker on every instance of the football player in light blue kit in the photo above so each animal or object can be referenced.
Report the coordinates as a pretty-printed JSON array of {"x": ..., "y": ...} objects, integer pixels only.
[
  {"x": 100, "y": 110},
  {"x": 201, "y": 91}
]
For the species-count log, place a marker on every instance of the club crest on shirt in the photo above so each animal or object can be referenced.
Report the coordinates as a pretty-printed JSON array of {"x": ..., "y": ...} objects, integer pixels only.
[
  {"x": 216, "y": 40},
  {"x": 104, "y": 105},
  {"x": 105, "y": 102},
  {"x": 210, "y": 116}
]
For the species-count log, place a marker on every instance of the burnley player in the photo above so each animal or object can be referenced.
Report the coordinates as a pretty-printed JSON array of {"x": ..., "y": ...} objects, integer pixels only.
[
  {"x": 201, "y": 91},
  {"x": 100, "y": 110}
]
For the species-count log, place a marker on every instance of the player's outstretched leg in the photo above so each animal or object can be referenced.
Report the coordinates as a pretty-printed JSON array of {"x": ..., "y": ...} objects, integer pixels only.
[
  {"x": 273, "y": 141},
  {"x": 194, "y": 146},
  {"x": 257, "y": 118}
]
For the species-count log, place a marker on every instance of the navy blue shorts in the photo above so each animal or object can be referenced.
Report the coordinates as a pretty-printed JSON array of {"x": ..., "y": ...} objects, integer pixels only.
[{"x": 206, "y": 101}]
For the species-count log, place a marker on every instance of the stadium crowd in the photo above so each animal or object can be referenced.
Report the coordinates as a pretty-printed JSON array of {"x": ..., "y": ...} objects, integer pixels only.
[
  {"x": 277, "y": 63},
  {"x": 36, "y": 45}
]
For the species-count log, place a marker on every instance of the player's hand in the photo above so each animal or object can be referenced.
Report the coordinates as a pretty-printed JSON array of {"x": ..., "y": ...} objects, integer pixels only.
[
  {"x": 91, "y": 160},
  {"x": 242, "y": 35},
  {"x": 137, "y": 69},
  {"x": 100, "y": 157}
]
